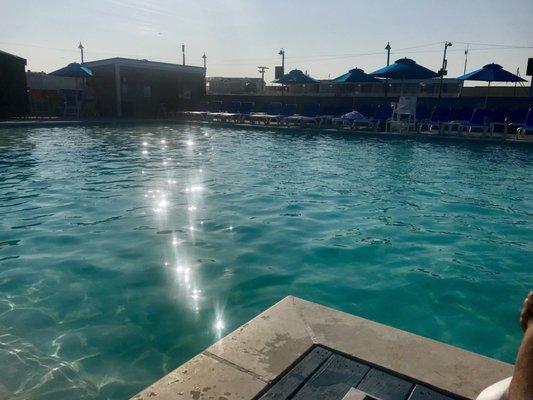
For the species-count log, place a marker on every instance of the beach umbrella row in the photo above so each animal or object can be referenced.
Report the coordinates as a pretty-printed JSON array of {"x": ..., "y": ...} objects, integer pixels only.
[{"x": 402, "y": 69}]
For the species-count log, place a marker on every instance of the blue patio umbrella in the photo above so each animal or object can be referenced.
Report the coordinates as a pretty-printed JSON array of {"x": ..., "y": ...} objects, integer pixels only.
[
  {"x": 491, "y": 73},
  {"x": 355, "y": 75},
  {"x": 73, "y": 70},
  {"x": 295, "y": 77},
  {"x": 404, "y": 68}
]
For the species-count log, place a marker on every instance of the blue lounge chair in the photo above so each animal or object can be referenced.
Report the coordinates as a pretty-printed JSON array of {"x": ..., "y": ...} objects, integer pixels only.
[
  {"x": 480, "y": 120},
  {"x": 273, "y": 111},
  {"x": 328, "y": 115},
  {"x": 500, "y": 121},
  {"x": 309, "y": 116},
  {"x": 244, "y": 112},
  {"x": 231, "y": 109},
  {"x": 439, "y": 116},
  {"x": 381, "y": 115},
  {"x": 220, "y": 113},
  {"x": 201, "y": 110}
]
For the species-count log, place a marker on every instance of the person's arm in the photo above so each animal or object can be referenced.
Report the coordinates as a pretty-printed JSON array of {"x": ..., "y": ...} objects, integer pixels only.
[{"x": 521, "y": 387}]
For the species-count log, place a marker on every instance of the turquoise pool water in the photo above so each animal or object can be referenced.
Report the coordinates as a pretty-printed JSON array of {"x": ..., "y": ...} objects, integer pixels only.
[{"x": 124, "y": 251}]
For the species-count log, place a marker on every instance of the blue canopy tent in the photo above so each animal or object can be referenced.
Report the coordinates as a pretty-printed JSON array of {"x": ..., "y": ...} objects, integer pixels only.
[
  {"x": 295, "y": 77},
  {"x": 73, "y": 70},
  {"x": 404, "y": 68},
  {"x": 355, "y": 75},
  {"x": 491, "y": 73}
]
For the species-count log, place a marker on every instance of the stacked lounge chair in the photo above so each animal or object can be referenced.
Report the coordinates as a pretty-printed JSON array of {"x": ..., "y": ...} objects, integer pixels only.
[
  {"x": 233, "y": 108},
  {"x": 382, "y": 114},
  {"x": 479, "y": 121},
  {"x": 200, "y": 112},
  {"x": 439, "y": 116},
  {"x": 273, "y": 111},
  {"x": 309, "y": 116}
]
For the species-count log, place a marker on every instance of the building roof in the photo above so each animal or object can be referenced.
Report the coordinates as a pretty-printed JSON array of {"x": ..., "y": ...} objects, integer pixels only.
[
  {"x": 130, "y": 62},
  {"x": 12, "y": 55},
  {"x": 231, "y": 78}
]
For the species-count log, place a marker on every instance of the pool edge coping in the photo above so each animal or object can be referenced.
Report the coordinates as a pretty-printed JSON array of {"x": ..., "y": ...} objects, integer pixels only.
[{"x": 246, "y": 361}]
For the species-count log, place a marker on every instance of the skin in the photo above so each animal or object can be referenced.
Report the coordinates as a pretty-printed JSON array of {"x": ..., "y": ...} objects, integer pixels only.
[{"x": 521, "y": 387}]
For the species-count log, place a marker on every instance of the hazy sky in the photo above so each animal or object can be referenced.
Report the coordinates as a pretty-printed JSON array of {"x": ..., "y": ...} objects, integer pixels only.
[{"x": 326, "y": 38}]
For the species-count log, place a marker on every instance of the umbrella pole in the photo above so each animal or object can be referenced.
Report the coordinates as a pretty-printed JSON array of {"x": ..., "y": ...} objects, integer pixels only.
[{"x": 487, "y": 95}]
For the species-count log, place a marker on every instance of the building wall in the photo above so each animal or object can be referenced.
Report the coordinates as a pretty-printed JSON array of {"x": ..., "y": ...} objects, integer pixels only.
[
  {"x": 222, "y": 85},
  {"x": 145, "y": 92},
  {"x": 104, "y": 87},
  {"x": 13, "y": 91}
]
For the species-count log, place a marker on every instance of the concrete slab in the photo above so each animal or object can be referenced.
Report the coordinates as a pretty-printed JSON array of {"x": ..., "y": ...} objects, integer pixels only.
[
  {"x": 204, "y": 377},
  {"x": 269, "y": 343},
  {"x": 244, "y": 363}
]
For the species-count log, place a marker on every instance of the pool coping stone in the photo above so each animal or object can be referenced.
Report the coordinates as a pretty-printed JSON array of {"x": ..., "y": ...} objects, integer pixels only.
[{"x": 245, "y": 362}]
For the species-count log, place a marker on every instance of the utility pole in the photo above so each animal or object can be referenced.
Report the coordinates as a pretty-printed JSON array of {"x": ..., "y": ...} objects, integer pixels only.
[
  {"x": 443, "y": 71},
  {"x": 81, "y": 51},
  {"x": 205, "y": 61},
  {"x": 388, "y": 48},
  {"x": 183, "y": 52},
  {"x": 466, "y": 58},
  {"x": 262, "y": 72}
]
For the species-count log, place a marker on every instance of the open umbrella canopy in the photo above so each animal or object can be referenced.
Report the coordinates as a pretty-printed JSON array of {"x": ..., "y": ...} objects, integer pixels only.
[
  {"x": 73, "y": 70},
  {"x": 491, "y": 73},
  {"x": 294, "y": 77},
  {"x": 355, "y": 75},
  {"x": 404, "y": 68}
]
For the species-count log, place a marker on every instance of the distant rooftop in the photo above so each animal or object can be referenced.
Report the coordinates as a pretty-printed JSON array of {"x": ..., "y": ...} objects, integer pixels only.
[
  {"x": 131, "y": 62},
  {"x": 12, "y": 55}
]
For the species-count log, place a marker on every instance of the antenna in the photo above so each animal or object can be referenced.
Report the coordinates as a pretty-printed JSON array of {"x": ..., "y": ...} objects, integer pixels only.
[
  {"x": 205, "y": 61},
  {"x": 183, "y": 52}
]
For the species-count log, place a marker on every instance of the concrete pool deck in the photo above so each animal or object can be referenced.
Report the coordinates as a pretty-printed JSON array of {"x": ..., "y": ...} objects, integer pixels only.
[{"x": 245, "y": 363}]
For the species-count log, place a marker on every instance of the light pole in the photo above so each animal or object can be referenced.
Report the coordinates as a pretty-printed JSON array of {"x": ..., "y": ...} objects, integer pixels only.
[
  {"x": 388, "y": 48},
  {"x": 81, "y": 51},
  {"x": 262, "y": 72},
  {"x": 183, "y": 52},
  {"x": 443, "y": 71},
  {"x": 205, "y": 61},
  {"x": 282, "y": 54}
]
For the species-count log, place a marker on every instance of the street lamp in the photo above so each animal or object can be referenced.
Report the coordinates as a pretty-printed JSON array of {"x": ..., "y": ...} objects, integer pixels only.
[
  {"x": 442, "y": 71},
  {"x": 81, "y": 50}
]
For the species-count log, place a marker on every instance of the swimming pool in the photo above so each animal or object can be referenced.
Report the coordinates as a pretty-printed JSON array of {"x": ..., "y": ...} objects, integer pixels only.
[{"x": 124, "y": 251}]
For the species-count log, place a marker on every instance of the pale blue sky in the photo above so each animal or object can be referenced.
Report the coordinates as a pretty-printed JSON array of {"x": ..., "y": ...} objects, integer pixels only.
[{"x": 322, "y": 37}]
